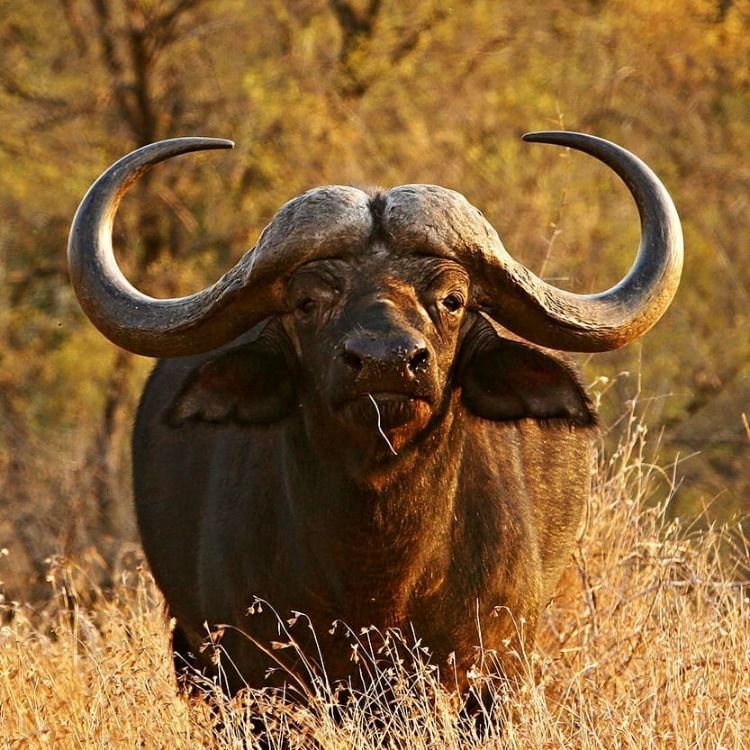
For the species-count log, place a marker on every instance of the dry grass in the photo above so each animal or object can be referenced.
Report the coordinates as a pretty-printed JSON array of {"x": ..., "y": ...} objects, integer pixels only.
[{"x": 647, "y": 646}]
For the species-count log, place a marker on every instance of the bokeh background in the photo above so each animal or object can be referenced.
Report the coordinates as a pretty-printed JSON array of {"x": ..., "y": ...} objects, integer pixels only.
[{"x": 361, "y": 92}]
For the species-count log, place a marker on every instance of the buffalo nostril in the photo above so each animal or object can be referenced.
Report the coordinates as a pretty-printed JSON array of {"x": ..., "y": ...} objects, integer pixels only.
[
  {"x": 419, "y": 360},
  {"x": 352, "y": 360}
]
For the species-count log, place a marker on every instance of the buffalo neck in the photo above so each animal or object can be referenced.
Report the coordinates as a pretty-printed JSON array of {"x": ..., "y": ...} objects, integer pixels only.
[{"x": 386, "y": 538}]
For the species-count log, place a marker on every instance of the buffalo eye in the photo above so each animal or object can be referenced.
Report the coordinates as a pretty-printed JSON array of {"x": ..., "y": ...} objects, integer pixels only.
[
  {"x": 306, "y": 305},
  {"x": 453, "y": 303}
]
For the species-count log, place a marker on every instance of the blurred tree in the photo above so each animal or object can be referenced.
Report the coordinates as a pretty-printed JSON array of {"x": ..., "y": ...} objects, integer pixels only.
[
  {"x": 117, "y": 84},
  {"x": 359, "y": 91}
]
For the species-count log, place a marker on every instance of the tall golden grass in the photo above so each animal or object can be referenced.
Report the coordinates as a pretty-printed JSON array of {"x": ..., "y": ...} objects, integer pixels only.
[{"x": 646, "y": 646}]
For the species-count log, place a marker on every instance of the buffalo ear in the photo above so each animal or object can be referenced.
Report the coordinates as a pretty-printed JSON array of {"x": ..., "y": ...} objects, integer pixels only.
[
  {"x": 248, "y": 385},
  {"x": 508, "y": 380}
]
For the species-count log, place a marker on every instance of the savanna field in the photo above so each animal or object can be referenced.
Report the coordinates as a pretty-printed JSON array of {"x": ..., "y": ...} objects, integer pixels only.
[
  {"x": 647, "y": 642},
  {"x": 647, "y": 645}
]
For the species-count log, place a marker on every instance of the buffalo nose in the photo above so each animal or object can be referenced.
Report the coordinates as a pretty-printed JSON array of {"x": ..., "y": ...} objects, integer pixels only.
[{"x": 374, "y": 352}]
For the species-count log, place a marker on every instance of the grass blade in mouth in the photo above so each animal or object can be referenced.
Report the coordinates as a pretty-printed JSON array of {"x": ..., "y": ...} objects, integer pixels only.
[{"x": 380, "y": 428}]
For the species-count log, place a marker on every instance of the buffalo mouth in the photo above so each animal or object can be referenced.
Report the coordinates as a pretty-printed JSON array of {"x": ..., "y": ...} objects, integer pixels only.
[{"x": 387, "y": 410}]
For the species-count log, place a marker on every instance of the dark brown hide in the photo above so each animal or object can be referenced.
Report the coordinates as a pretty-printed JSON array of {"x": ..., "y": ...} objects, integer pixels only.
[{"x": 269, "y": 470}]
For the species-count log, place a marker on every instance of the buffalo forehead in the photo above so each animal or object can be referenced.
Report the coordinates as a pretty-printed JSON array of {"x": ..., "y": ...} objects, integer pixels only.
[
  {"x": 339, "y": 221},
  {"x": 330, "y": 221},
  {"x": 432, "y": 220}
]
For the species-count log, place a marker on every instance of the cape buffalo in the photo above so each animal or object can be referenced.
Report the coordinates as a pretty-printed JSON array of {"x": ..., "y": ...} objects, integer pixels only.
[{"x": 362, "y": 420}]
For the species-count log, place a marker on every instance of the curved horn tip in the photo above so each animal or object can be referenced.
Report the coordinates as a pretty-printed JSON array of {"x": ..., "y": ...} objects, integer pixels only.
[
  {"x": 220, "y": 142},
  {"x": 532, "y": 136},
  {"x": 200, "y": 142},
  {"x": 558, "y": 137},
  {"x": 593, "y": 145},
  {"x": 162, "y": 150}
]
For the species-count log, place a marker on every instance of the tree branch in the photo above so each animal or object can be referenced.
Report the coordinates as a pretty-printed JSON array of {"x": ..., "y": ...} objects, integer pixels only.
[
  {"x": 111, "y": 60},
  {"x": 409, "y": 43}
]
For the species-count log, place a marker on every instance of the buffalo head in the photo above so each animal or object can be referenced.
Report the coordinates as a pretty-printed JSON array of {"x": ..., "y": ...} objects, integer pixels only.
[{"x": 378, "y": 305}]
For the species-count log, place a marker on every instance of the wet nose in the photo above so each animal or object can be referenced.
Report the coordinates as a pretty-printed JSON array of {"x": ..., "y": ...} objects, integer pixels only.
[{"x": 371, "y": 353}]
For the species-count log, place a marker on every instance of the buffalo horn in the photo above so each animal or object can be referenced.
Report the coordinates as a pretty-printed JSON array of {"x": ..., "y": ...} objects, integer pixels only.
[
  {"x": 311, "y": 226},
  {"x": 555, "y": 318}
]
